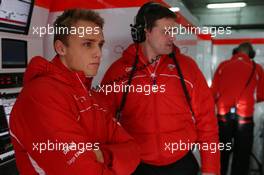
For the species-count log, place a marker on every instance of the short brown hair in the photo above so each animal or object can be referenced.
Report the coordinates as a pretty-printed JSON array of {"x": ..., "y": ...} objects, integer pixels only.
[{"x": 71, "y": 17}]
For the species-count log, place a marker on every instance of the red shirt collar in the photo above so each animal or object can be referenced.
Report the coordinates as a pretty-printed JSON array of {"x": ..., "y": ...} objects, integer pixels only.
[
  {"x": 241, "y": 55},
  {"x": 87, "y": 81}
]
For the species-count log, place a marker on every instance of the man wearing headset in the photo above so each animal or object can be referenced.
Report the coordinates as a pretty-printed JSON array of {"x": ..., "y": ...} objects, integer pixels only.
[
  {"x": 164, "y": 119},
  {"x": 234, "y": 84}
]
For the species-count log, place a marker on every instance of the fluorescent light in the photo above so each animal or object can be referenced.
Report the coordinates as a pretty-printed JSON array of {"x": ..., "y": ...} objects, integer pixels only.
[
  {"x": 175, "y": 9},
  {"x": 226, "y": 5}
]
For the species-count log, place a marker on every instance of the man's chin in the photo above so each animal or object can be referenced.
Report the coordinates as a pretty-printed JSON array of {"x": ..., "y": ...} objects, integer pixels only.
[
  {"x": 168, "y": 51},
  {"x": 91, "y": 74}
]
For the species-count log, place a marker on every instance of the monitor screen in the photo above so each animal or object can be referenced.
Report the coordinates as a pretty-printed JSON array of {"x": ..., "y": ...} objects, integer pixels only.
[
  {"x": 5, "y": 111},
  {"x": 7, "y": 102},
  {"x": 15, "y": 15},
  {"x": 14, "y": 53},
  {"x": 3, "y": 120}
]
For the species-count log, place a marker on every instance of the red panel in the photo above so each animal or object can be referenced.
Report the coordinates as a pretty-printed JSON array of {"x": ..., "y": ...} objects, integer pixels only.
[
  {"x": 205, "y": 37},
  {"x": 238, "y": 41},
  {"x": 43, "y": 3},
  {"x": 60, "y": 5},
  {"x": 124, "y": 3}
]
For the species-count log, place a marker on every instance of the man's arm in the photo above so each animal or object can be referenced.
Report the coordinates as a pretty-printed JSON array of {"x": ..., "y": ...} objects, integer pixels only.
[
  {"x": 22, "y": 160},
  {"x": 206, "y": 124},
  {"x": 260, "y": 84},
  {"x": 125, "y": 153},
  {"x": 53, "y": 139},
  {"x": 215, "y": 84},
  {"x": 123, "y": 147}
]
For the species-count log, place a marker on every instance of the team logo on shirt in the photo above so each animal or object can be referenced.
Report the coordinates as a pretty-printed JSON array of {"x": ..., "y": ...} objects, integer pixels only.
[
  {"x": 128, "y": 69},
  {"x": 171, "y": 66},
  {"x": 116, "y": 121}
]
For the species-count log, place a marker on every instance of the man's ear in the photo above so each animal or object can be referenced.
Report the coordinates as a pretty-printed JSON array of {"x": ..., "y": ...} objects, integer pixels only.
[
  {"x": 60, "y": 48},
  {"x": 146, "y": 32}
]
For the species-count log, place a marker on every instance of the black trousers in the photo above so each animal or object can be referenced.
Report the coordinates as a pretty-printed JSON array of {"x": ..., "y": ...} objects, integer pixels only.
[
  {"x": 242, "y": 135},
  {"x": 188, "y": 165}
]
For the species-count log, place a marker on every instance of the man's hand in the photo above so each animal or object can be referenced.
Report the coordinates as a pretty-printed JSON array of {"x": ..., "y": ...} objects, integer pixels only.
[{"x": 99, "y": 156}]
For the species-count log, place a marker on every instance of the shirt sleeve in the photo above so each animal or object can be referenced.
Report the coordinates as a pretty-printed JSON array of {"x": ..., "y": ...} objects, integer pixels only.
[
  {"x": 206, "y": 124},
  {"x": 260, "y": 85},
  {"x": 53, "y": 140}
]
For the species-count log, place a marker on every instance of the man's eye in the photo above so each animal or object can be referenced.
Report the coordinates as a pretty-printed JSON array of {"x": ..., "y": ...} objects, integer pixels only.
[
  {"x": 101, "y": 45},
  {"x": 87, "y": 44}
]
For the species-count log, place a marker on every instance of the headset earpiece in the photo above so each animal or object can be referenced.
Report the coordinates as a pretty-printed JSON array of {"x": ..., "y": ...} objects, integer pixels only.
[
  {"x": 140, "y": 23},
  {"x": 252, "y": 54},
  {"x": 137, "y": 33},
  {"x": 235, "y": 51}
]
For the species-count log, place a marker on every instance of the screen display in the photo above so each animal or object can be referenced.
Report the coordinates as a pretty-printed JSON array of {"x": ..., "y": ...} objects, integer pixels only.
[
  {"x": 6, "y": 104},
  {"x": 14, "y": 53},
  {"x": 15, "y": 15},
  {"x": 3, "y": 120},
  {"x": 5, "y": 111}
]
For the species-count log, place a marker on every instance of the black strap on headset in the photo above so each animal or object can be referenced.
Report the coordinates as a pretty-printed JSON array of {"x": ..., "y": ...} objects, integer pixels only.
[
  {"x": 249, "y": 79},
  {"x": 252, "y": 73},
  {"x": 124, "y": 96},
  {"x": 186, "y": 93}
]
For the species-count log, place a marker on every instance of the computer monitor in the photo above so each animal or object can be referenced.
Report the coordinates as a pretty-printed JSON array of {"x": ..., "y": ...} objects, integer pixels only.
[
  {"x": 15, "y": 15},
  {"x": 14, "y": 53}
]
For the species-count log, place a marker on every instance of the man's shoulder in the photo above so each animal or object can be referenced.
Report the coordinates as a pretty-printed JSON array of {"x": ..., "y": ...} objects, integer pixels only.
[
  {"x": 118, "y": 70},
  {"x": 187, "y": 62},
  {"x": 224, "y": 63},
  {"x": 119, "y": 63},
  {"x": 44, "y": 88},
  {"x": 260, "y": 70},
  {"x": 186, "y": 58},
  {"x": 259, "y": 67}
]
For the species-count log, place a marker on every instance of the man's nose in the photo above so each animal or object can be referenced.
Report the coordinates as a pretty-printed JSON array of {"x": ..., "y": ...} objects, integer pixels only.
[
  {"x": 98, "y": 54},
  {"x": 171, "y": 38}
]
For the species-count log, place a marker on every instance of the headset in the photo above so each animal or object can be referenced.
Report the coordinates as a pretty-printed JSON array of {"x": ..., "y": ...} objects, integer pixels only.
[
  {"x": 235, "y": 51},
  {"x": 251, "y": 52},
  {"x": 140, "y": 22}
]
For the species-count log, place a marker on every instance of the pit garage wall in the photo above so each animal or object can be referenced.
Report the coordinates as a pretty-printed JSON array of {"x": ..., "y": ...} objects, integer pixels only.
[
  {"x": 222, "y": 50},
  {"x": 223, "y": 46}
]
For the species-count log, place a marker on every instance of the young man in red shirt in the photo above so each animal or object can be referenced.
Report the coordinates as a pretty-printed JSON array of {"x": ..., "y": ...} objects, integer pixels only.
[{"x": 57, "y": 125}]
